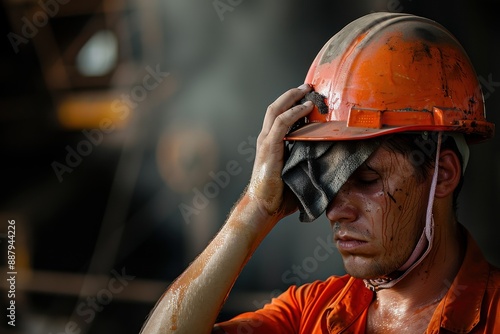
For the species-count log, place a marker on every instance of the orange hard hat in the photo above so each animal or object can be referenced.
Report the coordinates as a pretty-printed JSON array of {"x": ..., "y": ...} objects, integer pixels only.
[{"x": 387, "y": 73}]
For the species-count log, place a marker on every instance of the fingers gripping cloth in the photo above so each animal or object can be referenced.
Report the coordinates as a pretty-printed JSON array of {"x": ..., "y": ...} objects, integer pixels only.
[
  {"x": 318, "y": 100},
  {"x": 316, "y": 170}
]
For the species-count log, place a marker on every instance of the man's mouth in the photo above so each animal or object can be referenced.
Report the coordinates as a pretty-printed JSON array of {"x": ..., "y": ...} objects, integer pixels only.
[{"x": 347, "y": 241}]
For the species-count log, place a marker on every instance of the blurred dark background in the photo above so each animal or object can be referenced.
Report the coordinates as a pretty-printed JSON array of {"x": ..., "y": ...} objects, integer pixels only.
[{"x": 128, "y": 131}]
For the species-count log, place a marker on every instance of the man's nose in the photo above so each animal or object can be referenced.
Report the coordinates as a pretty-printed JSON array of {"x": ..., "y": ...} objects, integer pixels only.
[{"x": 342, "y": 209}]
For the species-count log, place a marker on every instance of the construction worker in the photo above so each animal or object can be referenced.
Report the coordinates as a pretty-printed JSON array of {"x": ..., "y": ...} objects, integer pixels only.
[{"x": 378, "y": 141}]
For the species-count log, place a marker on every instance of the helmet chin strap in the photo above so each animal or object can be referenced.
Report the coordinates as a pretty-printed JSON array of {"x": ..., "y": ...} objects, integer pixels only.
[{"x": 416, "y": 257}]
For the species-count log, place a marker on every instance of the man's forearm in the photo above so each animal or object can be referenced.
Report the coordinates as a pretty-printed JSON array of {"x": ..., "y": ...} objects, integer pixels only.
[{"x": 193, "y": 301}]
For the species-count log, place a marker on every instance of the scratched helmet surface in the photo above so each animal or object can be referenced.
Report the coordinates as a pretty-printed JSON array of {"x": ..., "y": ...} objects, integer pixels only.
[{"x": 387, "y": 73}]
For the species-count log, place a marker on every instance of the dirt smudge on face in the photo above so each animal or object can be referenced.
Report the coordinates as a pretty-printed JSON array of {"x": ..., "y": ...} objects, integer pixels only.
[{"x": 391, "y": 197}]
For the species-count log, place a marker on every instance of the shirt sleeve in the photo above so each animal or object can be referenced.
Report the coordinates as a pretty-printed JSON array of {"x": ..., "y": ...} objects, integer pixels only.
[{"x": 281, "y": 316}]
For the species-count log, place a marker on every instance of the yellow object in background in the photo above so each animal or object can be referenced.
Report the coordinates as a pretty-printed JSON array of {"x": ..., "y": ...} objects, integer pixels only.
[{"x": 93, "y": 110}]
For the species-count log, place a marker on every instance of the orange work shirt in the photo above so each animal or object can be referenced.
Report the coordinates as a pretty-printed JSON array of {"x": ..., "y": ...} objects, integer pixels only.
[{"x": 340, "y": 305}]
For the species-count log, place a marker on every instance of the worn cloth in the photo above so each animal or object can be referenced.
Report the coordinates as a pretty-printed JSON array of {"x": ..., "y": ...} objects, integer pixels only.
[
  {"x": 316, "y": 170},
  {"x": 340, "y": 305}
]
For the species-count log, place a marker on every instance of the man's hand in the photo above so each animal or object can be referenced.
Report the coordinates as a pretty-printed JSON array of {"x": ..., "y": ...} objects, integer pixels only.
[{"x": 266, "y": 186}]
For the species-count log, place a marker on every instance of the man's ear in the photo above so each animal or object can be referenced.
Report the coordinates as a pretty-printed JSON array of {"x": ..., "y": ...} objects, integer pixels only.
[{"x": 449, "y": 173}]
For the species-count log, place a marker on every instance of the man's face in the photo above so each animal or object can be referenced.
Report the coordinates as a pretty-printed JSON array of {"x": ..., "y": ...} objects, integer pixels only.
[{"x": 379, "y": 215}]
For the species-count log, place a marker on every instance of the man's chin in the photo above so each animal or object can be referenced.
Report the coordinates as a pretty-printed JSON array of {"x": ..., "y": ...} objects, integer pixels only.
[{"x": 365, "y": 271}]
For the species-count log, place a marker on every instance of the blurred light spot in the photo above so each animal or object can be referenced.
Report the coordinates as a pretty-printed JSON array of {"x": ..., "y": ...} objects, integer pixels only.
[
  {"x": 185, "y": 157},
  {"x": 92, "y": 110},
  {"x": 99, "y": 55}
]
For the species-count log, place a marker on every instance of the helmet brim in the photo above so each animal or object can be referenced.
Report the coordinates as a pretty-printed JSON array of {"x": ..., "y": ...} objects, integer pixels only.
[{"x": 338, "y": 130}]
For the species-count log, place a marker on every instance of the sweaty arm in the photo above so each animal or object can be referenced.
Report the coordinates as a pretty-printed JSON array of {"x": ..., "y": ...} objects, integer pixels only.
[{"x": 193, "y": 301}]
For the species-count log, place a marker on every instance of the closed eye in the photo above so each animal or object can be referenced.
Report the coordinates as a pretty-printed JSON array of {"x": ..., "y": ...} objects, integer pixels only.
[{"x": 365, "y": 176}]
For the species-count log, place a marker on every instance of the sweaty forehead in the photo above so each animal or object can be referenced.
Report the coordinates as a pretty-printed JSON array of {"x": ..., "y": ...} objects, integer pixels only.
[{"x": 386, "y": 158}]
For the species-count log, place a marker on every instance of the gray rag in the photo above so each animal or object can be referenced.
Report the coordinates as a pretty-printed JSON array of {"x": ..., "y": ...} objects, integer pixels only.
[{"x": 316, "y": 170}]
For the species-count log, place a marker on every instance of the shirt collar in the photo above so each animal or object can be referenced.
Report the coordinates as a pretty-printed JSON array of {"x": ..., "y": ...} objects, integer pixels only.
[{"x": 350, "y": 304}]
